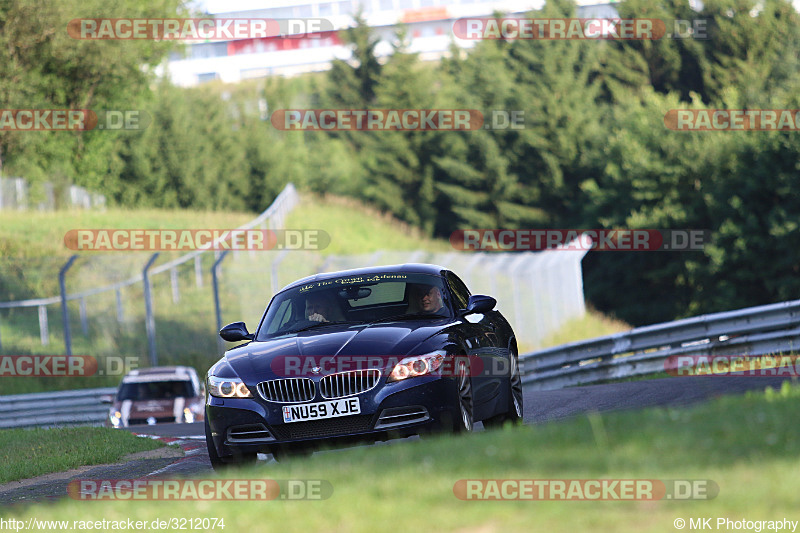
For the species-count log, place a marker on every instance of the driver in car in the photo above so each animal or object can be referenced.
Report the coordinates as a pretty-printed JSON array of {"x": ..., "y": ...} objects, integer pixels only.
[{"x": 320, "y": 307}]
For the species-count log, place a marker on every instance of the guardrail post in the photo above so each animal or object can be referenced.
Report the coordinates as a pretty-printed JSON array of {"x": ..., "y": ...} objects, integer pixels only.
[
  {"x": 64, "y": 314},
  {"x": 44, "y": 331},
  {"x": 84, "y": 320},
  {"x": 215, "y": 284},
  {"x": 173, "y": 280},
  {"x": 120, "y": 315},
  {"x": 150, "y": 322},
  {"x": 198, "y": 271}
]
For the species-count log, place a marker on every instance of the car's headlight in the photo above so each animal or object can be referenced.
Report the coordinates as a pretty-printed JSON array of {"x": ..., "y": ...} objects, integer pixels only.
[
  {"x": 418, "y": 365},
  {"x": 115, "y": 418},
  {"x": 227, "y": 388}
]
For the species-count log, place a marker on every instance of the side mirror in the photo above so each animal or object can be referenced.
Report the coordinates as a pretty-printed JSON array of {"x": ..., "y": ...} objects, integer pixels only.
[
  {"x": 479, "y": 303},
  {"x": 106, "y": 398},
  {"x": 235, "y": 332}
]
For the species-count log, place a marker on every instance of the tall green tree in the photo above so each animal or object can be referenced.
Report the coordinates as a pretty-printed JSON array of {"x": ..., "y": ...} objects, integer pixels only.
[
  {"x": 353, "y": 82},
  {"x": 42, "y": 67}
]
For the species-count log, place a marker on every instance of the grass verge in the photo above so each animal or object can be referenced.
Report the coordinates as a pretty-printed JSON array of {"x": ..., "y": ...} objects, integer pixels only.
[
  {"x": 748, "y": 445},
  {"x": 28, "y": 453},
  {"x": 185, "y": 331},
  {"x": 592, "y": 324},
  {"x": 355, "y": 228}
]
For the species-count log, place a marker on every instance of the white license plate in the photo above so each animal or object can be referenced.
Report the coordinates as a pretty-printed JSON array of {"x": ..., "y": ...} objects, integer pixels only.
[{"x": 317, "y": 411}]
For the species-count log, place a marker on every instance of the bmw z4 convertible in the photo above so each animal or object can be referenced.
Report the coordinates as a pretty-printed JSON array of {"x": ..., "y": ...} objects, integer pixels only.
[{"x": 362, "y": 355}]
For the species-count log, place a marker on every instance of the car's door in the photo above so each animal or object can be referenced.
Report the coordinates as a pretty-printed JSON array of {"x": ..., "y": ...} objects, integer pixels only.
[{"x": 484, "y": 344}]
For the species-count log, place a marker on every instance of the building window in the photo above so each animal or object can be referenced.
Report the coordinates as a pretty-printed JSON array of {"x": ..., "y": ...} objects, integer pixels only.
[
  {"x": 206, "y": 77},
  {"x": 345, "y": 8}
]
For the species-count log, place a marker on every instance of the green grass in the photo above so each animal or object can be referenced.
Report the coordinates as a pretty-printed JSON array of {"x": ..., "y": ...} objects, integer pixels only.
[
  {"x": 27, "y": 453},
  {"x": 357, "y": 229},
  {"x": 748, "y": 445},
  {"x": 25, "y": 234},
  {"x": 591, "y": 325},
  {"x": 185, "y": 332}
]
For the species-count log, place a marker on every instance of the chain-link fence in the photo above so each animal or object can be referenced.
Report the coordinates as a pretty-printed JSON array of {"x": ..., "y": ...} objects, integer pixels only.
[
  {"x": 166, "y": 308},
  {"x": 140, "y": 304},
  {"x": 17, "y": 193}
]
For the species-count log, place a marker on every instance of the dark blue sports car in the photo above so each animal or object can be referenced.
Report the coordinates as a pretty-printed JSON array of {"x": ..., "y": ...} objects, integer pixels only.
[{"x": 362, "y": 355}]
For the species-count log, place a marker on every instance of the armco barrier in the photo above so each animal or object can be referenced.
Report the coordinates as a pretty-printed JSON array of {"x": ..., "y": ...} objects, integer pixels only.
[
  {"x": 762, "y": 330},
  {"x": 62, "y": 408}
]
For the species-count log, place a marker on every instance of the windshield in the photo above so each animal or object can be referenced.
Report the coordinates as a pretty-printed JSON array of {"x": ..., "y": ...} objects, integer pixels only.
[
  {"x": 355, "y": 300},
  {"x": 155, "y": 390}
]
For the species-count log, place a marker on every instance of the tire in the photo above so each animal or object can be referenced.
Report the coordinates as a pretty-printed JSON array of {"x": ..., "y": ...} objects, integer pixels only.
[
  {"x": 220, "y": 464},
  {"x": 216, "y": 462},
  {"x": 514, "y": 410},
  {"x": 465, "y": 422}
]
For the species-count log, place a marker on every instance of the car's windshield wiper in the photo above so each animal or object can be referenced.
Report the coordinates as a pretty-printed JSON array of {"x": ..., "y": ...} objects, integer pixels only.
[
  {"x": 406, "y": 316},
  {"x": 318, "y": 324}
]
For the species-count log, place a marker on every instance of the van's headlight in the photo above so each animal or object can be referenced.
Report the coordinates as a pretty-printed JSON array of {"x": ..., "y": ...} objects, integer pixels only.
[{"x": 227, "y": 388}]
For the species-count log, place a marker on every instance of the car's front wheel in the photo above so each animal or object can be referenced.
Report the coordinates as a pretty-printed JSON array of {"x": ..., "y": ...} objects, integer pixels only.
[
  {"x": 465, "y": 404},
  {"x": 514, "y": 410},
  {"x": 217, "y": 462}
]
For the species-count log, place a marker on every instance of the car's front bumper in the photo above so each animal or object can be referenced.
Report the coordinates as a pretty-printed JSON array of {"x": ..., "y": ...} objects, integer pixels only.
[{"x": 243, "y": 426}]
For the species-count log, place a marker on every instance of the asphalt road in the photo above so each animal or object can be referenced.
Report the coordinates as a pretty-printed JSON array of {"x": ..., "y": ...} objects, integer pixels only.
[{"x": 540, "y": 407}]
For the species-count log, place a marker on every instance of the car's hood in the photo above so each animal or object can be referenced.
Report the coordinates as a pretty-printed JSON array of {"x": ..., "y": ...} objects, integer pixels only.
[{"x": 331, "y": 349}]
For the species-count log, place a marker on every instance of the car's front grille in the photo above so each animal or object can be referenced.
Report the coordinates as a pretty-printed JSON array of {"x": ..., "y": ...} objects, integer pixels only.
[
  {"x": 159, "y": 420},
  {"x": 330, "y": 427},
  {"x": 249, "y": 433},
  {"x": 349, "y": 383},
  {"x": 289, "y": 390}
]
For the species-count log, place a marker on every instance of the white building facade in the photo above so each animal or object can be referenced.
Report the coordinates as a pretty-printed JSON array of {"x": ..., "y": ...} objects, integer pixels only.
[{"x": 428, "y": 23}]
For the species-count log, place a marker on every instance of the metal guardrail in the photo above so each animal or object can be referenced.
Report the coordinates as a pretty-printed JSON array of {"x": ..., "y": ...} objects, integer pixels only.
[
  {"x": 762, "y": 330},
  {"x": 62, "y": 408}
]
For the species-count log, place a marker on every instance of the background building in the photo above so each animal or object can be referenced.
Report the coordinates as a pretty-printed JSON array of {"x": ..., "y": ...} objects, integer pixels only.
[{"x": 429, "y": 25}]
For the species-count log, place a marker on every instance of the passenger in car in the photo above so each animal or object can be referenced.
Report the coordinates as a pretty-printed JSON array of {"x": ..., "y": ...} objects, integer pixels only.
[{"x": 426, "y": 299}]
